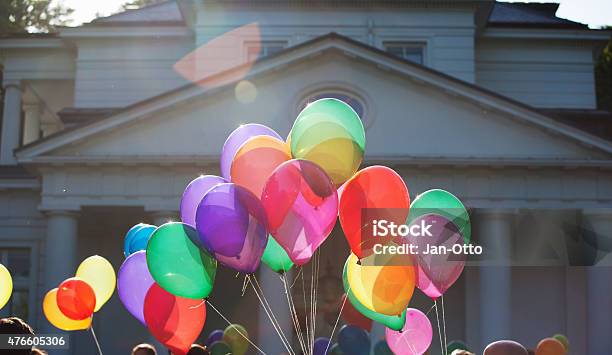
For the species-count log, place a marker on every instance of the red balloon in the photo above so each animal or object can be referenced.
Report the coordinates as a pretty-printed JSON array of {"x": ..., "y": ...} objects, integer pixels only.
[
  {"x": 373, "y": 193},
  {"x": 352, "y": 316},
  {"x": 175, "y": 321},
  {"x": 76, "y": 299}
]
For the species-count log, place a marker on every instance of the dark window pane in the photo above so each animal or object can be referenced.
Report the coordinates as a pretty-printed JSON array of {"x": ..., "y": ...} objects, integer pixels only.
[
  {"x": 18, "y": 262},
  {"x": 18, "y": 305},
  {"x": 409, "y": 51}
]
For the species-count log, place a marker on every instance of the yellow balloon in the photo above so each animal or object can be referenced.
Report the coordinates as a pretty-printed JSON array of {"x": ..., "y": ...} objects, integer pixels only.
[
  {"x": 57, "y": 318},
  {"x": 383, "y": 289},
  {"x": 100, "y": 275},
  {"x": 6, "y": 285}
]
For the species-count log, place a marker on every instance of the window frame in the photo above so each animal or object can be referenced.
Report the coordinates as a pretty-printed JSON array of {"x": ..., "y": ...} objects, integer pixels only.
[
  {"x": 248, "y": 44},
  {"x": 32, "y": 282},
  {"x": 422, "y": 41}
]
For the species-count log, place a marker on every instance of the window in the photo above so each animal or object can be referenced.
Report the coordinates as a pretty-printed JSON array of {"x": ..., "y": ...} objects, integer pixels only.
[
  {"x": 412, "y": 51},
  {"x": 18, "y": 261},
  {"x": 352, "y": 101},
  {"x": 265, "y": 48}
]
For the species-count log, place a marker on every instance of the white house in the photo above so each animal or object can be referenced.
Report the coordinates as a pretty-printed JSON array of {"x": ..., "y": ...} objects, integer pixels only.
[{"x": 104, "y": 125}]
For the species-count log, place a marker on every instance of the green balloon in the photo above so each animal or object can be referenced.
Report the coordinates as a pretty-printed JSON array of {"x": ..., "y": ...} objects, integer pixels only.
[
  {"x": 445, "y": 204},
  {"x": 336, "y": 350},
  {"x": 234, "y": 335},
  {"x": 276, "y": 257},
  {"x": 177, "y": 264},
  {"x": 393, "y": 322},
  {"x": 563, "y": 340},
  {"x": 220, "y": 348}
]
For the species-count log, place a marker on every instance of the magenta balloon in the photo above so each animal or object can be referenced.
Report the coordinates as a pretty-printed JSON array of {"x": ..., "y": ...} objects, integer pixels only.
[
  {"x": 505, "y": 347},
  {"x": 301, "y": 203},
  {"x": 194, "y": 192},
  {"x": 232, "y": 226},
  {"x": 133, "y": 283},
  {"x": 414, "y": 338},
  {"x": 236, "y": 139},
  {"x": 436, "y": 273}
]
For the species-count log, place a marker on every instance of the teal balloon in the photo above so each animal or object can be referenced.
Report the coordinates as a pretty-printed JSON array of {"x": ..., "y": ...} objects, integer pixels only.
[
  {"x": 129, "y": 236},
  {"x": 275, "y": 257},
  {"x": 220, "y": 348},
  {"x": 335, "y": 350},
  {"x": 393, "y": 322},
  {"x": 381, "y": 348},
  {"x": 177, "y": 264},
  {"x": 140, "y": 239},
  {"x": 445, "y": 204}
]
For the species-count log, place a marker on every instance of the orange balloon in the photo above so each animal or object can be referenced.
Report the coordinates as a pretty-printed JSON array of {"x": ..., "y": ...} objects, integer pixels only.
[
  {"x": 550, "y": 346},
  {"x": 255, "y": 161},
  {"x": 383, "y": 289},
  {"x": 57, "y": 318}
]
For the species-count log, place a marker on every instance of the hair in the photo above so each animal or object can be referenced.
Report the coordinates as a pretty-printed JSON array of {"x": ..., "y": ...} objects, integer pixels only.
[
  {"x": 14, "y": 325},
  {"x": 197, "y": 349},
  {"x": 38, "y": 352},
  {"x": 144, "y": 349}
]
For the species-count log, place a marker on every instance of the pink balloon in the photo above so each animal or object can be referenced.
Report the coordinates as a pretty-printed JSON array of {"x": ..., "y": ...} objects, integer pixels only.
[
  {"x": 437, "y": 272},
  {"x": 414, "y": 338},
  {"x": 302, "y": 206}
]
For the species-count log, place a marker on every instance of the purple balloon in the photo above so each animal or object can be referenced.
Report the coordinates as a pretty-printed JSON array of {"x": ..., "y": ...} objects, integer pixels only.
[
  {"x": 133, "y": 283},
  {"x": 505, "y": 347},
  {"x": 437, "y": 272},
  {"x": 215, "y": 335},
  {"x": 320, "y": 346},
  {"x": 194, "y": 192},
  {"x": 232, "y": 226},
  {"x": 236, "y": 139}
]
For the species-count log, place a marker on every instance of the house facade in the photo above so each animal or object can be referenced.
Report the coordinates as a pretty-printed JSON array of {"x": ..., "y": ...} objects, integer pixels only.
[{"x": 103, "y": 125}]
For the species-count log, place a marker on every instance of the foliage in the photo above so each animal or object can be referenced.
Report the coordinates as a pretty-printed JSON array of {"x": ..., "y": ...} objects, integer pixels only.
[
  {"x": 136, "y": 4},
  {"x": 21, "y": 16},
  {"x": 603, "y": 78}
]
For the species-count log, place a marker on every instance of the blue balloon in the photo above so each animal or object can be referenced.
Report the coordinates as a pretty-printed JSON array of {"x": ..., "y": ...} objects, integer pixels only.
[
  {"x": 321, "y": 345},
  {"x": 215, "y": 335},
  {"x": 381, "y": 348},
  {"x": 336, "y": 350},
  {"x": 354, "y": 340},
  {"x": 137, "y": 238}
]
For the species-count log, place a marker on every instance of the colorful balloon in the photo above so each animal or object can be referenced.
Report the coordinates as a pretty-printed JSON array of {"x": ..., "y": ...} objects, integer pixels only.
[
  {"x": 255, "y": 161},
  {"x": 354, "y": 340},
  {"x": 382, "y": 348},
  {"x": 505, "y": 347},
  {"x": 382, "y": 289},
  {"x": 177, "y": 264},
  {"x": 138, "y": 239},
  {"x": 443, "y": 203},
  {"x": 560, "y": 337},
  {"x": 76, "y": 299},
  {"x": 57, "y": 318},
  {"x": 336, "y": 350},
  {"x": 329, "y": 133},
  {"x": 133, "y": 283},
  {"x": 215, "y": 335},
  {"x": 6, "y": 285},
  {"x": 236, "y": 139},
  {"x": 414, "y": 338},
  {"x": 394, "y": 322},
  {"x": 436, "y": 272},
  {"x": 100, "y": 275},
  {"x": 128, "y": 237},
  {"x": 175, "y": 321},
  {"x": 220, "y": 348},
  {"x": 373, "y": 193},
  {"x": 550, "y": 346},
  {"x": 302, "y": 206},
  {"x": 236, "y": 337},
  {"x": 194, "y": 193},
  {"x": 321, "y": 346},
  {"x": 232, "y": 225},
  {"x": 276, "y": 257}
]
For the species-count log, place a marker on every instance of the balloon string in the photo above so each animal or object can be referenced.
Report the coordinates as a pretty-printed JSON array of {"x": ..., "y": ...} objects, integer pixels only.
[
  {"x": 306, "y": 314},
  {"x": 294, "y": 317},
  {"x": 270, "y": 314},
  {"x": 444, "y": 327},
  {"x": 237, "y": 330},
  {"x": 331, "y": 336},
  {"x": 95, "y": 339},
  {"x": 316, "y": 295},
  {"x": 439, "y": 330},
  {"x": 312, "y": 302}
]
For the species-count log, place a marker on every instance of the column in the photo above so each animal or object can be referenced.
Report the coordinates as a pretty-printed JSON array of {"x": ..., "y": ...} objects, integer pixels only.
[
  {"x": 599, "y": 283},
  {"x": 268, "y": 339},
  {"x": 11, "y": 122},
  {"x": 31, "y": 122},
  {"x": 494, "y": 229}
]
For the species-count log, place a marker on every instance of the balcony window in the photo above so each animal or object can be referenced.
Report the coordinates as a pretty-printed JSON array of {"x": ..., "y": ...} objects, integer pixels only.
[{"x": 412, "y": 51}]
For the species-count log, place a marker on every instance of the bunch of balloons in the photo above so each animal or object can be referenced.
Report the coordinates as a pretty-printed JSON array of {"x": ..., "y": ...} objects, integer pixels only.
[
  {"x": 6, "y": 285},
  {"x": 71, "y": 305}
]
